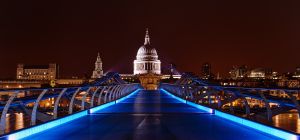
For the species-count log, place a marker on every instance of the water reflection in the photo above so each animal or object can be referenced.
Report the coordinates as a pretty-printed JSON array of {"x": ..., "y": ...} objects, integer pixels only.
[
  {"x": 19, "y": 118},
  {"x": 14, "y": 121},
  {"x": 19, "y": 121},
  {"x": 7, "y": 129},
  {"x": 289, "y": 121}
]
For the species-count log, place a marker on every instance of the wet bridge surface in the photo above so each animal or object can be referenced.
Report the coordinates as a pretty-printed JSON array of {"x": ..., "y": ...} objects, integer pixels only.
[{"x": 151, "y": 115}]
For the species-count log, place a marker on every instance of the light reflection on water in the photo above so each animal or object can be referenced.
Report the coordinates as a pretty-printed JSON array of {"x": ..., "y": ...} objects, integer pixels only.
[
  {"x": 19, "y": 121},
  {"x": 7, "y": 129},
  {"x": 289, "y": 121},
  {"x": 14, "y": 121}
]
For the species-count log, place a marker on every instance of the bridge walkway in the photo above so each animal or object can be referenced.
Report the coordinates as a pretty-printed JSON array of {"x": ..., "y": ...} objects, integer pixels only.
[{"x": 151, "y": 115}]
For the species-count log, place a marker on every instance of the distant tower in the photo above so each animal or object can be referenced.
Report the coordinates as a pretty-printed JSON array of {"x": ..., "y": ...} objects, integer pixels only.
[
  {"x": 206, "y": 71},
  {"x": 98, "y": 72}
]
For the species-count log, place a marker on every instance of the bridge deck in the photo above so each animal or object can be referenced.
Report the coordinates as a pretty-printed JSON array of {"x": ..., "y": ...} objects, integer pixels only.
[{"x": 150, "y": 115}]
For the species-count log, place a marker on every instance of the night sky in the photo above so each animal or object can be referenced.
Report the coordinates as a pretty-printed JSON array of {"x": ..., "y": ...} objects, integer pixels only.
[{"x": 258, "y": 33}]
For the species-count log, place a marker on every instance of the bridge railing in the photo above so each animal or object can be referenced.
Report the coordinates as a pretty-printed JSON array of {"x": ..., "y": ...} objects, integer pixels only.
[
  {"x": 253, "y": 103},
  {"x": 45, "y": 104},
  {"x": 217, "y": 98}
]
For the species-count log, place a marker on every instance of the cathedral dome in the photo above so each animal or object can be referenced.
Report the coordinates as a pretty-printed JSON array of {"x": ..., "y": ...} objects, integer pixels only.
[
  {"x": 142, "y": 50},
  {"x": 146, "y": 52},
  {"x": 153, "y": 51},
  {"x": 147, "y": 59}
]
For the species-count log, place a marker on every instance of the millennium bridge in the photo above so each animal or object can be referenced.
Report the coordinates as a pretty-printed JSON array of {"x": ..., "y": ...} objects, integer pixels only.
[{"x": 112, "y": 109}]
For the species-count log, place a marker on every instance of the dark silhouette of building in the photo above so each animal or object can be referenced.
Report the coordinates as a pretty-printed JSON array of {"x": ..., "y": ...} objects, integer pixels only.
[
  {"x": 206, "y": 71},
  {"x": 238, "y": 72}
]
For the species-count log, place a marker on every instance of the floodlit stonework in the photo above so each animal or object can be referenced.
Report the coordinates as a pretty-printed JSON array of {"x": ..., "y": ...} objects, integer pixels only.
[{"x": 147, "y": 59}]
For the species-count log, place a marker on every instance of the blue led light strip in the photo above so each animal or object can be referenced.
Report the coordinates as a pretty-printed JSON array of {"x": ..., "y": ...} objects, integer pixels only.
[
  {"x": 95, "y": 109},
  {"x": 257, "y": 126},
  {"x": 254, "y": 125},
  {"x": 39, "y": 128},
  {"x": 209, "y": 110},
  {"x": 128, "y": 96},
  {"x": 98, "y": 108}
]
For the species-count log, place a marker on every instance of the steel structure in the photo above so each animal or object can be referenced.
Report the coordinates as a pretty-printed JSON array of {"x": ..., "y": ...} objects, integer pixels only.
[
  {"x": 106, "y": 89},
  {"x": 194, "y": 89}
]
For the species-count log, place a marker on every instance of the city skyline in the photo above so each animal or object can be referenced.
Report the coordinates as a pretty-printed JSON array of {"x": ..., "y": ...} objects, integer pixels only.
[
  {"x": 147, "y": 70},
  {"x": 259, "y": 35}
]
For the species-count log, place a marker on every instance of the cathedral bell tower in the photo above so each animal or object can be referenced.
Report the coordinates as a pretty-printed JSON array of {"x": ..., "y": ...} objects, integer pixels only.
[{"x": 98, "y": 72}]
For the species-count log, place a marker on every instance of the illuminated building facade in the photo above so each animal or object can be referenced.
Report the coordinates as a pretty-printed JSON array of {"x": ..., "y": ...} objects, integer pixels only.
[
  {"x": 20, "y": 84},
  {"x": 258, "y": 73},
  {"x": 98, "y": 72},
  {"x": 147, "y": 59},
  {"x": 37, "y": 72},
  {"x": 297, "y": 73},
  {"x": 238, "y": 72}
]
